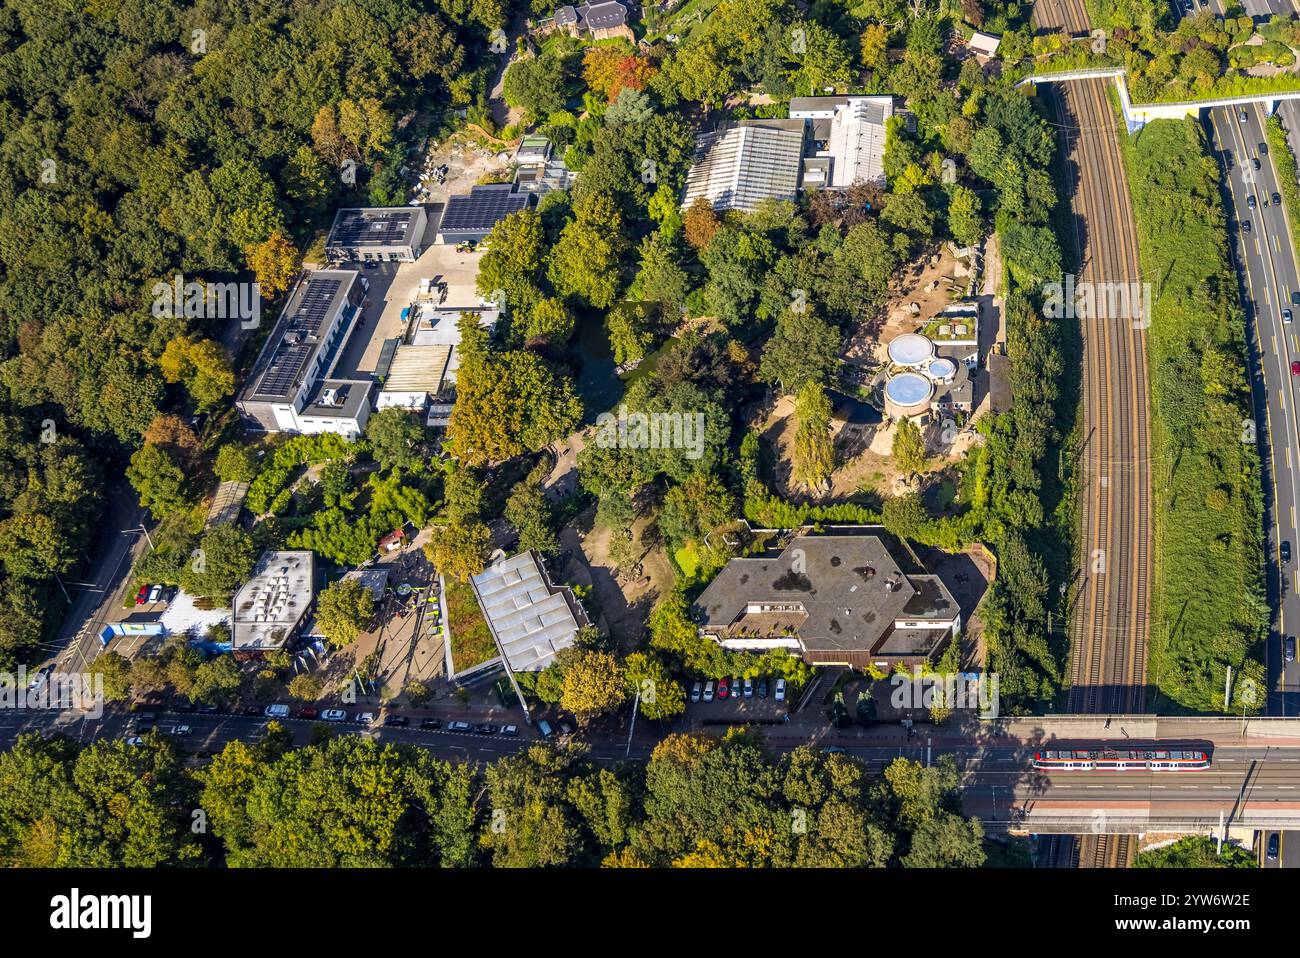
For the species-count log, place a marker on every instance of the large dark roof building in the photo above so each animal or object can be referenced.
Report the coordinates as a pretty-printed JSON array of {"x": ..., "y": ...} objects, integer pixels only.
[
  {"x": 844, "y": 599},
  {"x": 469, "y": 217},
  {"x": 377, "y": 233},
  {"x": 291, "y": 388}
]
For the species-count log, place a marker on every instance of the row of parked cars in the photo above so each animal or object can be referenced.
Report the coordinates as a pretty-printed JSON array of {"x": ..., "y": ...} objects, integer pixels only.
[
  {"x": 149, "y": 594},
  {"x": 735, "y": 688}
]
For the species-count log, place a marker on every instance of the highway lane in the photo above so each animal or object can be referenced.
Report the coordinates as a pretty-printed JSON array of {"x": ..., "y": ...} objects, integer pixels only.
[{"x": 1270, "y": 283}]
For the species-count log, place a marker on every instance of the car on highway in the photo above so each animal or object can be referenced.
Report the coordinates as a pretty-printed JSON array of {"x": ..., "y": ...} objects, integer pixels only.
[
  {"x": 334, "y": 715},
  {"x": 142, "y": 596},
  {"x": 1254, "y": 162},
  {"x": 708, "y": 691},
  {"x": 1295, "y": 367},
  {"x": 1241, "y": 117},
  {"x": 276, "y": 711},
  {"x": 1250, "y": 202},
  {"x": 1245, "y": 226},
  {"x": 723, "y": 690},
  {"x": 1288, "y": 648},
  {"x": 780, "y": 690},
  {"x": 1295, "y": 297},
  {"x": 431, "y": 723},
  {"x": 696, "y": 691},
  {"x": 458, "y": 726},
  {"x": 1286, "y": 315},
  {"x": 1286, "y": 552},
  {"x": 1277, "y": 200},
  {"x": 1274, "y": 844},
  {"x": 396, "y": 721}
]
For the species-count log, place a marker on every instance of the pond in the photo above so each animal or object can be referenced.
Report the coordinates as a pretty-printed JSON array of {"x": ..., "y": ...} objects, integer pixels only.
[{"x": 596, "y": 380}]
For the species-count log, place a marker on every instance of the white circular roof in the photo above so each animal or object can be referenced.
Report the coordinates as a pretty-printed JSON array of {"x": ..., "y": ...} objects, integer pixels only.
[
  {"x": 910, "y": 349},
  {"x": 908, "y": 389},
  {"x": 941, "y": 368}
]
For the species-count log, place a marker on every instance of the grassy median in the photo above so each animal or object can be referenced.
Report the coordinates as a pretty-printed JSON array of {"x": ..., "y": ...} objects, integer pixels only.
[{"x": 1208, "y": 606}]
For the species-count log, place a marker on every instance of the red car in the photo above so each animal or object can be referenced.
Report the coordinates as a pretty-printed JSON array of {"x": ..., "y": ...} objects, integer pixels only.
[
  {"x": 307, "y": 712},
  {"x": 723, "y": 692},
  {"x": 142, "y": 596},
  {"x": 1295, "y": 368}
]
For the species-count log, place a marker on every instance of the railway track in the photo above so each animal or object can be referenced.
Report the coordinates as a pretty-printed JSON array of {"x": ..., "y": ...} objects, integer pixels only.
[{"x": 1109, "y": 627}]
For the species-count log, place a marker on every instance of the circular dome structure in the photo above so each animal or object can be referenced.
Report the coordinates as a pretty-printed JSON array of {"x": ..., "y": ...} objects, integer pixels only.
[
  {"x": 941, "y": 369},
  {"x": 908, "y": 393},
  {"x": 910, "y": 349}
]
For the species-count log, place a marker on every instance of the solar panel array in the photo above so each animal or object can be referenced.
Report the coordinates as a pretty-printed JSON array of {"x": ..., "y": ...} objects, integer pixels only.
[
  {"x": 300, "y": 338},
  {"x": 372, "y": 227},
  {"x": 481, "y": 209}
]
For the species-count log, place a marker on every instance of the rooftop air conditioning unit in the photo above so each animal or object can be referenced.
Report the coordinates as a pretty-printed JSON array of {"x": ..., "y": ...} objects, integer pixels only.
[{"x": 329, "y": 397}]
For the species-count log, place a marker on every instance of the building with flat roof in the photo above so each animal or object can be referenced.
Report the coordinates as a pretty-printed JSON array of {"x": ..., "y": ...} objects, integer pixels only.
[
  {"x": 737, "y": 167},
  {"x": 469, "y": 217},
  {"x": 415, "y": 376},
  {"x": 531, "y": 619},
  {"x": 382, "y": 233},
  {"x": 851, "y": 599},
  {"x": 292, "y": 387},
  {"x": 984, "y": 45},
  {"x": 271, "y": 605},
  {"x": 847, "y": 134}
]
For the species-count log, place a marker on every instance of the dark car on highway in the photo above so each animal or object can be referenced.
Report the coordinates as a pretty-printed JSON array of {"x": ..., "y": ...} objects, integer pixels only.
[
  {"x": 1288, "y": 648},
  {"x": 1274, "y": 842},
  {"x": 1286, "y": 552}
]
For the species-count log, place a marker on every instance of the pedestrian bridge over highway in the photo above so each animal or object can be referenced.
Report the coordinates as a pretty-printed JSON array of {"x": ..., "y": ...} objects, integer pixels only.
[{"x": 1137, "y": 115}]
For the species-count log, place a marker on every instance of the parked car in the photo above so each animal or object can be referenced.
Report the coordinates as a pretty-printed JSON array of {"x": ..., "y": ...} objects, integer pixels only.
[
  {"x": 458, "y": 726},
  {"x": 431, "y": 723},
  {"x": 1274, "y": 845},
  {"x": 396, "y": 721},
  {"x": 142, "y": 596},
  {"x": 180, "y": 731},
  {"x": 1286, "y": 552},
  {"x": 155, "y": 594},
  {"x": 1288, "y": 648},
  {"x": 134, "y": 740},
  {"x": 566, "y": 727},
  {"x": 708, "y": 691},
  {"x": 366, "y": 718},
  {"x": 209, "y": 708},
  {"x": 762, "y": 687},
  {"x": 276, "y": 711},
  {"x": 334, "y": 715},
  {"x": 696, "y": 690},
  {"x": 749, "y": 688},
  {"x": 833, "y": 750},
  {"x": 308, "y": 712},
  {"x": 723, "y": 690},
  {"x": 143, "y": 728},
  {"x": 510, "y": 730},
  {"x": 544, "y": 729},
  {"x": 145, "y": 717},
  {"x": 780, "y": 690},
  {"x": 485, "y": 728}
]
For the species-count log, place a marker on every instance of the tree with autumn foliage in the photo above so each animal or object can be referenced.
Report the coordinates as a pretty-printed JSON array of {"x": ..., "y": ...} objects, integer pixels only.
[
  {"x": 700, "y": 223},
  {"x": 202, "y": 365},
  {"x": 275, "y": 263},
  {"x": 609, "y": 70}
]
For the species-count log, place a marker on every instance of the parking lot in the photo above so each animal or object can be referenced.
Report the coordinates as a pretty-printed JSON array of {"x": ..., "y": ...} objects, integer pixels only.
[
  {"x": 393, "y": 287},
  {"x": 754, "y": 708}
]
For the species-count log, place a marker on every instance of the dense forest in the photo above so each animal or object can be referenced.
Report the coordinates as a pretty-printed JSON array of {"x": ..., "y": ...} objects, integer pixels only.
[
  {"x": 348, "y": 802},
  {"x": 145, "y": 140}
]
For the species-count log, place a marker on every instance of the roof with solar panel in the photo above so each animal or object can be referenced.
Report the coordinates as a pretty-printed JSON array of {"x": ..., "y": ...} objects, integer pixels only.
[
  {"x": 482, "y": 207},
  {"x": 374, "y": 226},
  {"x": 299, "y": 335}
]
